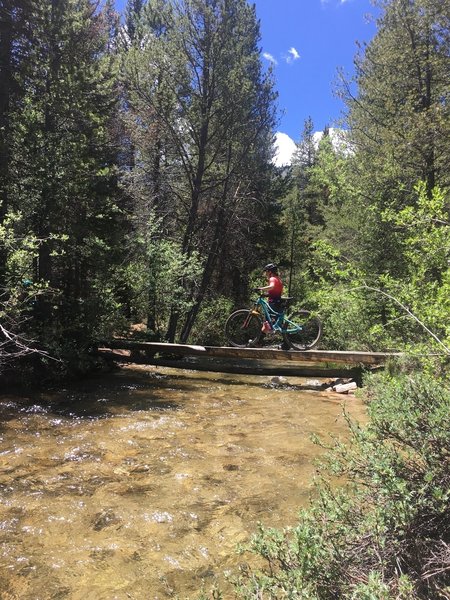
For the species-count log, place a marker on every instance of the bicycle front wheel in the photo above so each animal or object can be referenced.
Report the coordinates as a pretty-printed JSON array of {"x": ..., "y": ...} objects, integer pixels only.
[
  {"x": 243, "y": 329},
  {"x": 302, "y": 331}
]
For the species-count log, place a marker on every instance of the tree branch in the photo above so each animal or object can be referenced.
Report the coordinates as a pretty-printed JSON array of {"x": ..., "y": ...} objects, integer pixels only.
[{"x": 406, "y": 309}]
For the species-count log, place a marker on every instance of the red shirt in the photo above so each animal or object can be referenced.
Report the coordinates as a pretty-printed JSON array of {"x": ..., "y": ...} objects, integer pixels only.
[{"x": 277, "y": 288}]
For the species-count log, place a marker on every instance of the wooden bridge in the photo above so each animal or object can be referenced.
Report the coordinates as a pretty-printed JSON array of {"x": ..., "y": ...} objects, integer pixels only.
[{"x": 267, "y": 360}]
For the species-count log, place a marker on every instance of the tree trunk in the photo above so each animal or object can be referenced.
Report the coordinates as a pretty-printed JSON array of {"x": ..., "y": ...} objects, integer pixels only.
[
  {"x": 196, "y": 191},
  {"x": 172, "y": 327},
  {"x": 5, "y": 91},
  {"x": 219, "y": 236},
  {"x": 197, "y": 188},
  {"x": 44, "y": 266},
  {"x": 156, "y": 179}
]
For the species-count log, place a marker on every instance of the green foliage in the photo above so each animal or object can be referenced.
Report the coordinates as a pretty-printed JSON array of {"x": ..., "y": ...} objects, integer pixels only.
[
  {"x": 136, "y": 181},
  {"x": 19, "y": 251},
  {"x": 426, "y": 238},
  {"x": 386, "y": 532},
  {"x": 60, "y": 216},
  {"x": 403, "y": 305},
  {"x": 347, "y": 322},
  {"x": 157, "y": 278},
  {"x": 399, "y": 122},
  {"x": 370, "y": 246},
  {"x": 200, "y": 65},
  {"x": 173, "y": 275},
  {"x": 209, "y": 326}
]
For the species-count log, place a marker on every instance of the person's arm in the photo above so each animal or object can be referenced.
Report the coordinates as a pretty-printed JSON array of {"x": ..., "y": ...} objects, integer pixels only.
[{"x": 267, "y": 287}]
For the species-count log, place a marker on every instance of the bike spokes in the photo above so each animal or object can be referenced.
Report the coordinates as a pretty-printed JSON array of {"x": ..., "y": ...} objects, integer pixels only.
[
  {"x": 243, "y": 329},
  {"x": 302, "y": 331}
]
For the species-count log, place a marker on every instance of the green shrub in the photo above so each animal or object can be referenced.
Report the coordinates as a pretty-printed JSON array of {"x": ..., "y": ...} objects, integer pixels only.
[
  {"x": 209, "y": 328},
  {"x": 347, "y": 322},
  {"x": 386, "y": 533}
]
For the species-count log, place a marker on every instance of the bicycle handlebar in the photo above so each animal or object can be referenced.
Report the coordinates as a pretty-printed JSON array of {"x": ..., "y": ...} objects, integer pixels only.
[{"x": 261, "y": 293}]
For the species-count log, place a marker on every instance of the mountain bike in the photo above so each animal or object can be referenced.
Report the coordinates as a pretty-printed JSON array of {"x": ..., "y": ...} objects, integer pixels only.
[{"x": 299, "y": 328}]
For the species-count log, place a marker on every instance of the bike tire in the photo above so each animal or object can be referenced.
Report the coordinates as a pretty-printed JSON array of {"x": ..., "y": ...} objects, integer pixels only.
[
  {"x": 308, "y": 336},
  {"x": 243, "y": 329}
]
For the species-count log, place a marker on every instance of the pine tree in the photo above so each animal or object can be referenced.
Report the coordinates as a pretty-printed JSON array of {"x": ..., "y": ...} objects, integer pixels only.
[
  {"x": 399, "y": 124},
  {"x": 133, "y": 13},
  {"x": 112, "y": 25},
  {"x": 65, "y": 162},
  {"x": 14, "y": 38},
  {"x": 303, "y": 161},
  {"x": 400, "y": 118}
]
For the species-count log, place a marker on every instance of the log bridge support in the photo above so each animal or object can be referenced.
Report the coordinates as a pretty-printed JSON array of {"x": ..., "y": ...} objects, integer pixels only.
[{"x": 243, "y": 360}]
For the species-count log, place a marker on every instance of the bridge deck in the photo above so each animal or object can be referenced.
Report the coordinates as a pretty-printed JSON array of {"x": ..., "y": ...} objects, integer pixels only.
[{"x": 260, "y": 354}]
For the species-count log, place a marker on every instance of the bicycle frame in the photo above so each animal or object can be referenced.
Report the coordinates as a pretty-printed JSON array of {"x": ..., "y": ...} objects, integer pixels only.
[{"x": 281, "y": 323}]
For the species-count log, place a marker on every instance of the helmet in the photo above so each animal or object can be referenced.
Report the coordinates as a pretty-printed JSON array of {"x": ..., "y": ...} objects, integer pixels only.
[{"x": 271, "y": 267}]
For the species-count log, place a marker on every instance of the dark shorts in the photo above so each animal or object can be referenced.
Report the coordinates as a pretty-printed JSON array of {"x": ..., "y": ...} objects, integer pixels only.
[{"x": 276, "y": 304}]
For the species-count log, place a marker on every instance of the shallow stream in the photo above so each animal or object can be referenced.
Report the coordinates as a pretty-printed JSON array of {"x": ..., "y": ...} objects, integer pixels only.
[{"x": 140, "y": 484}]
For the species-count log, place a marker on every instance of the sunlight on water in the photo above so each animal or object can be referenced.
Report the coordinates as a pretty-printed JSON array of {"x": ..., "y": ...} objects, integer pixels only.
[{"x": 142, "y": 483}]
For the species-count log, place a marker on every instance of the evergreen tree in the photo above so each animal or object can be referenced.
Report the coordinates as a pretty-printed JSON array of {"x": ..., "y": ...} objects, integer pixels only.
[
  {"x": 133, "y": 11},
  {"x": 234, "y": 103},
  {"x": 112, "y": 25},
  {"x": 14, "y": 39},
  {"x": 400, "y": 118},
  {"x": 399, "y": 130},
  {"x": 303, "y": 161},
  {"x": 298, "y": 205},
  {"x": 65, "y": 188},
  {"x": 400, "y": 121}
]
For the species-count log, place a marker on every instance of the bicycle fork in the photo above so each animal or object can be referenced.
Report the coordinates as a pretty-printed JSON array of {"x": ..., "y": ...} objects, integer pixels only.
[{"x": 251, "y": 313}]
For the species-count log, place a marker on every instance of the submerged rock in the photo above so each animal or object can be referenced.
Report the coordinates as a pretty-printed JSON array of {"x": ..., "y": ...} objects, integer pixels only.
[
  {"x": 104, "y": 519},
  {"x": 278, "y": 380}
]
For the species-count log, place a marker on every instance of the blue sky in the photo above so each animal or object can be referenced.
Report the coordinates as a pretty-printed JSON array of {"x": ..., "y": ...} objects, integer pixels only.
[
  {"x": 310, "y": 40},
  {"x": 307, "y": 41}
]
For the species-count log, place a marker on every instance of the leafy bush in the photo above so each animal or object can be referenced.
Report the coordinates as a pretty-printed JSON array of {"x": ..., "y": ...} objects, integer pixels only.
[
  {"x": 386, "y": 533},
  {"x": 347, "y": 322},
  {"x": 209, "y": 327}
]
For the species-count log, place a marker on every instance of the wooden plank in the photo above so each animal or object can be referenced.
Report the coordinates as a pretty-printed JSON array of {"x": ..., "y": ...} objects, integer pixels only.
[
  {"x": 239, "y": 367},
  {"x": 315, "y": 356}
]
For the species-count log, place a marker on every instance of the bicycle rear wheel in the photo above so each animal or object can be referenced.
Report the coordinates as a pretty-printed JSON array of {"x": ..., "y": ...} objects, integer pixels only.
[
  {"x": 243, "y": 329},
  {"x": 301, "y": 330}
]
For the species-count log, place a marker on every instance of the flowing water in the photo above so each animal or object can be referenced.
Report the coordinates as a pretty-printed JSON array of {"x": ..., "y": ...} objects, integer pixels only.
[{"x": 141, "y": 484}]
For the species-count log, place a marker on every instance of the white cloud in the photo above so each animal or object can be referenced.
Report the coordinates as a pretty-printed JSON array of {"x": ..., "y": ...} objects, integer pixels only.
[
  {"x": 285, "y": 145},
  {"x": 270, "y": 58},
  {"x": 292, "y": 55},
  {"x": 284, "y": 149},
  {"x": 339, "y": 139},
  {"x": 293, "y": 52},
  {"x": 335, "y": 3}
]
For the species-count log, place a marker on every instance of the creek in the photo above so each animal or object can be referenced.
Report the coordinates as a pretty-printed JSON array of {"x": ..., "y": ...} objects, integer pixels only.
[{"x": 140, "y": 484}]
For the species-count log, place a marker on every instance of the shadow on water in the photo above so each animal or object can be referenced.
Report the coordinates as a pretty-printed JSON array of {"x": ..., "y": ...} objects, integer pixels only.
[
  {"x": 79, "y": 401},
  {"x": 140, "y": 392}
]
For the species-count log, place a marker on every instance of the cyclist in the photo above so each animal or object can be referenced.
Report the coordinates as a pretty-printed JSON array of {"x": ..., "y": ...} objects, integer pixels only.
[{"x": 275, "y": 288}]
